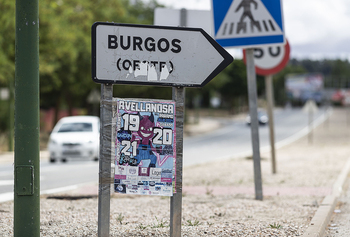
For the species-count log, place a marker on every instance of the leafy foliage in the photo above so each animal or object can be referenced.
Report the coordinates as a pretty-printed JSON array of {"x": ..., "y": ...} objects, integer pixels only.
[
  {"x": 65, "y": 45},
  {"x": 65, "y": 56},
  {"x": 65, "y": 42},
  {"x": 7, "y": 42}
]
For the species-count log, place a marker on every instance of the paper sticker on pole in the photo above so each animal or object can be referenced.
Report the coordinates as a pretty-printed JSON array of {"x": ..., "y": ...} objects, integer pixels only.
[
  {"x": 155, "y": 55},
  {"x": 145, "y": 149},
  {"x": 270, "y": 60}
]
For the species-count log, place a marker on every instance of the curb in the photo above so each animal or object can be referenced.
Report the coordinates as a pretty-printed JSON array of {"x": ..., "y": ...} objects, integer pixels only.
[{"x": 323, "y": 214}]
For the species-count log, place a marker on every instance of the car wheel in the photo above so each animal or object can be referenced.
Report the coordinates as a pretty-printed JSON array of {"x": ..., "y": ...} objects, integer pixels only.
[
  {"x": 64, "y": 160},
  {"x": 52, "y": 160},
  {"x": 95, "y": 159}
]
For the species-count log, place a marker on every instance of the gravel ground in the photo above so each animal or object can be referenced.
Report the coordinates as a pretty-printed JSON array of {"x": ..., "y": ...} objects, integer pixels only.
[
  {"x": 218, "y": 198},
  {"x": 339, "y": 223}
]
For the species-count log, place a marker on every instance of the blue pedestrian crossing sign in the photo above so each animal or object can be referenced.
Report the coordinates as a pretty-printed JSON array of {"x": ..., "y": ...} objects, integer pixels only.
[{"x": 248, "y": 23}]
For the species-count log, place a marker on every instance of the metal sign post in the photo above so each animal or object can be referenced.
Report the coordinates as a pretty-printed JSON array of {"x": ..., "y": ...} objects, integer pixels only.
[
  {"x": 270, "y": 106},
  {"x": 104, "y": 191},
  {"x": 176, "y": 199},
  {"x": 155, "y": 55},
  {"x": 311, "y": 118},
  {"x": 178, "y": 95},
  {"x": 253, "y": 109},
  {"x": 249, "y": 24},
  {"x": 310, "y": 108},
  {"x": 270, "y": 60}
]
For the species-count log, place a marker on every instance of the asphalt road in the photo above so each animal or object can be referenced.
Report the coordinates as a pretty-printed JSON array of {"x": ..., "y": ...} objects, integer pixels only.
[
  {"x": 53, "y": 177},
  {"x": 233, "y": 139}
]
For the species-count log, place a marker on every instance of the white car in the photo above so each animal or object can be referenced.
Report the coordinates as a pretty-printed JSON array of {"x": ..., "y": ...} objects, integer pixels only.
[
  {"x": 75, "y": 137},
  {"x": 262, "y": 118}
]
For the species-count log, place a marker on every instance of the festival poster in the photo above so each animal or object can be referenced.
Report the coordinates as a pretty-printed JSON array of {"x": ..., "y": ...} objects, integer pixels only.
[{"x": 145, "y": 148}]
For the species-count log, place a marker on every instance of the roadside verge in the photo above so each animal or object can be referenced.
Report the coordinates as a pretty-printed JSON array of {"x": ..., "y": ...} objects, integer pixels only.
[{"x": 323, "y": 214}]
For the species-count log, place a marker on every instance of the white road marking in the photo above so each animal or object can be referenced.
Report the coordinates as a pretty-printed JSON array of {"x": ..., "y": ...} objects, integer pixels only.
[
  {"x": 10, "y": 195},
  {"x": 6, "y": 197},
  {"x": 6, "y": 182},
  {"x": 59, "y": 190}
]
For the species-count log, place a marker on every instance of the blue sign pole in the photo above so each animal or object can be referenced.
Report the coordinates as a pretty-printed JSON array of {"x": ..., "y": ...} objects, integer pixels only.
[{"x": 254, "y": 123}]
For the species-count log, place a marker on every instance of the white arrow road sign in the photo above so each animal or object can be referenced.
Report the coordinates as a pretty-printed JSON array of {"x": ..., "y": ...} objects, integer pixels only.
[{"x": 155, "y": 55}]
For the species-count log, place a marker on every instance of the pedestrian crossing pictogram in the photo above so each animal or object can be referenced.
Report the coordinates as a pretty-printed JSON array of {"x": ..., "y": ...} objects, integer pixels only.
[{"x": 248, "y": 20}]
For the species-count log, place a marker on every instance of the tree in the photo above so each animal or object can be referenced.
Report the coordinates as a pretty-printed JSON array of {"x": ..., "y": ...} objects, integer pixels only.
[
  {"x": 65, "y": 45},
  {"x": 7, "y": 42},
  {"x": 7, "y": 63},
  {"x": 234, "y": 90}
]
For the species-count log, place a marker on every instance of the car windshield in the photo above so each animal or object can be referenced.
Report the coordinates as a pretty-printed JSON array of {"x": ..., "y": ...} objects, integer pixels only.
[{"x": 76, "y": 127}]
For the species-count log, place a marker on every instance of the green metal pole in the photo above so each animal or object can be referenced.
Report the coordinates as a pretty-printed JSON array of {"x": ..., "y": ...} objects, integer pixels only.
[{"x": 26, "y": 170}]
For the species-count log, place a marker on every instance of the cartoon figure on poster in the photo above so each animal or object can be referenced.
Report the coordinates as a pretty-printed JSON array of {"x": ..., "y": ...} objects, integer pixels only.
[
  {"x": 145, "y": 149},
  {"x": 143, "y": 136}
]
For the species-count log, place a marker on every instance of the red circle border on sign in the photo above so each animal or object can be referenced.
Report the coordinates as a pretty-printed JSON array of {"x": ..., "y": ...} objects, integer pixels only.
[{"x": 276, "y": 69}]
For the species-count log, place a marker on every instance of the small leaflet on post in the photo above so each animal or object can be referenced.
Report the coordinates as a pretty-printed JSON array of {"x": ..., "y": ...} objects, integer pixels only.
[{"x": 145, "y": 148}]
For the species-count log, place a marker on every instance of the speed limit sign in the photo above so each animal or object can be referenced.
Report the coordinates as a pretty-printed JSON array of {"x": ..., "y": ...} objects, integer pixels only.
[{"x": 270, "y": 60}]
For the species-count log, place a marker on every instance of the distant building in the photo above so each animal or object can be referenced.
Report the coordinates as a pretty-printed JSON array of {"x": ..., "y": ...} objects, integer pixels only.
[{"x": 303, "y": 87}]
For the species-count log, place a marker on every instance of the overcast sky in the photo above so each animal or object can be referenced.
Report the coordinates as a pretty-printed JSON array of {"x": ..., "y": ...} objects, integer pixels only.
[{"x": 315, "y": 29}]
